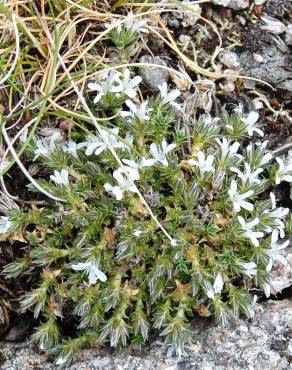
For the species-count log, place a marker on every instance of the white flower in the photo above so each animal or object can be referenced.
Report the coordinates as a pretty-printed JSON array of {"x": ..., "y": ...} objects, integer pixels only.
[
  {"x": 45, "y": 146},
  {"x": 284, "y": 172},
  {"x": 71, "y": 148},
  {"x": 218, "y": 283},
  {"x": 127, "y": 85},
  {"x": 42, "y": 149},
  {"x": 143, "y": 162},
  {"x": 160, "y": 152},
  {"x": 92, "y": 269},
  {"x": 273, "y": 25},
  {"x": 274, "y": 252},
  {"x": 275, "y": 217},
  {"x": 131, "y": 24},
  {"x": 23, "y": 135},
  {"x": 251, "y": 307},
  {"x": 238, "y": 199},
  {"x": 173, "y": 242},
  {"x": 227, "y": 149},
  {"x": 60, "y": 178},
  {"x": 105, "y": 87},
  {"x": 5, "y": 224},
  {"x": 210, "y": 292},
  {"x": 169, "y": 97},
  {"x": 266, "y": 287},
  {"x": 132, "y": 169},
  {"x": 134, "y": 25},
  {"x": 248, "y": 268},
  {"x": 96, "y": 144},
  {"x": 61, "y": 360},
  {"x": 204, "y": 164},
  {"x": 267, "y": 157},
  {"x": 137, "y": 233},
  {"x": 248, "y": 177},
  {"x": 248, "y": 232},
  {"x": 140, "y": 111},
  {"x": 124, "y": 184},
  {"x": 250, "y": 123}
]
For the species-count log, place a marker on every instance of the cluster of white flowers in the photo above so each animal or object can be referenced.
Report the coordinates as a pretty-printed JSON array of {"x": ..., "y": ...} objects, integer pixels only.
[
  {"x": 222, "y": 157},
  {"x": 126, "y": 176},
  {"x": 46, "y": 145},
  {"x": 96, "y": 144},
  {"x": 117, "y": 83}
]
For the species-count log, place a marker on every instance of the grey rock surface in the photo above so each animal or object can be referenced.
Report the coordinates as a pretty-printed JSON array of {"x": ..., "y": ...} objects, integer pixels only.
[
  {"x": 153, "y": 76},
  {"x": 263, "y": 343},
  {"x": 275, "y": 68}
]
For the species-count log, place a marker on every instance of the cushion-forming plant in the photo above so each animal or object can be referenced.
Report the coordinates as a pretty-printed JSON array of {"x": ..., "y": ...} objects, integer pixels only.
[{"x": 185, "y": 222}]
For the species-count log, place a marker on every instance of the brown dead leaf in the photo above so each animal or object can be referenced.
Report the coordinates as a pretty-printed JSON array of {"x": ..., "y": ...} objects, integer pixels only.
[
  {"x": 220, "y": 220},
  {"x": 137, "y": 208},
  {"x": 17, "y": 236},
  {"x": 182, "y": 288},
  {"x": 109, "y": 236},
  {"x": 202, "y": 310}
]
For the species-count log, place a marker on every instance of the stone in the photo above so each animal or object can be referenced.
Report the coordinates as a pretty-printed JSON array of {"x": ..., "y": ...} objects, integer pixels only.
[
  {"x": 262, "y": 343},
  {"x": 153, "y": 76},
  {"x": 277, "y": 8},
  {"x": 229, "y": 59},
  {"x": 189, "y": 17},
  {"x": 274, "y": 69},
  {"x": 233, "y": 4}
]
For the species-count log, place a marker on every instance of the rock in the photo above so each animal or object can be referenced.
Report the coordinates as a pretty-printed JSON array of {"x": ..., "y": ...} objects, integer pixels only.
[
  {"x": 277, "y": 8},
  {"x": 282, "y": 274},
  {"x": 274, "y": 68},
  {"x": 229, "y": 59},
  {"x": 233, "y": 4},
  {"x": 256, "y": 39},
  {"x": 153, "y": 76},
  {"x": 263, "y": 343},
  {"x": 190, "y": 18},
  {"x": 21, "y": 326}
]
